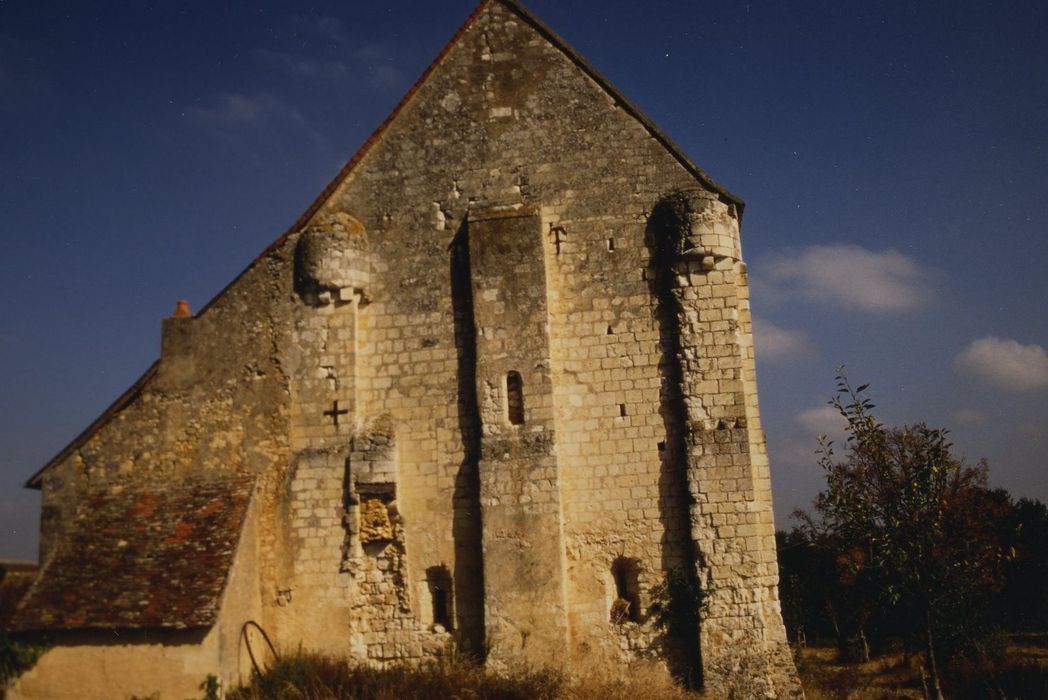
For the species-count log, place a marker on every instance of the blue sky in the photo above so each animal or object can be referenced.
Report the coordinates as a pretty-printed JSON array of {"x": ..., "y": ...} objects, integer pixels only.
[{"x": 893, "y": 156}]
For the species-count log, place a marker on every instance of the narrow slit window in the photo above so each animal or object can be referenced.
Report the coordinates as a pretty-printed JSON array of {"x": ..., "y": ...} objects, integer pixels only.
[
  {"x": 626, "y": 606},
  {"x": 438, "y": 580},
  {"x": 515, "y": 398},
  {"x": 611, "y": 245}
]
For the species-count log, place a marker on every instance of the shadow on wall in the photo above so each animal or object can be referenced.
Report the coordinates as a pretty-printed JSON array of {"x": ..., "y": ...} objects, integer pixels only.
[
  {"x": 468, "y": 576},
  {"x": 664, "y": 238}
]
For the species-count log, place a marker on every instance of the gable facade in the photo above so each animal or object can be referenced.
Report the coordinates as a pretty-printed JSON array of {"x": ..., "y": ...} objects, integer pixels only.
[{"x": 495, "y": 390}]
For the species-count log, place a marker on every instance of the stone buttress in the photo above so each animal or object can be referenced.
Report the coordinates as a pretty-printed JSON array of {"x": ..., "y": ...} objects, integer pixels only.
[
  {"x": 703, "y": 286},
  {"x": 519, "y": 482}
]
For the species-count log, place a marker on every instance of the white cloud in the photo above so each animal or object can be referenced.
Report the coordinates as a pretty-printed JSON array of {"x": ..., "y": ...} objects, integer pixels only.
[
  {"x": 968, "y": 417},
  {"x": 852, "y": 277},
  {"x": 368, "y": 65},
  {"x": 325, "y": 27},
  {"x": 378, "y": 62},
  {"x": 236, "y": 111},
  {"x": 824, "y": 420},
  {"x": 797, "y": 449},
  {"x": 780, "y": 345},
  {"x": 302, "y": 66},
  {"x": 1005, "y": 363}
]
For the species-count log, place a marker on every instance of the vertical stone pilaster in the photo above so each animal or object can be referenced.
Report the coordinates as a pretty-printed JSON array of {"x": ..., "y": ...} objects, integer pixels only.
[
  {"x": 525, "y": 611},
  {"x": 331, "y": 279}
]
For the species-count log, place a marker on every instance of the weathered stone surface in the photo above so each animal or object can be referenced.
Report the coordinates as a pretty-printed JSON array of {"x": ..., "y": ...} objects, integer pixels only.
[{"x": 496, "y": 386}]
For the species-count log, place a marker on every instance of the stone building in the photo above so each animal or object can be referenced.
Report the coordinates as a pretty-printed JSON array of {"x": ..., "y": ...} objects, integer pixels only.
[{"x": 494, "y": 389}]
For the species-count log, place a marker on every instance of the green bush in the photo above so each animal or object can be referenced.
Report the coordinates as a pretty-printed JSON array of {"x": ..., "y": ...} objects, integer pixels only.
[{"x": 18, "y": 655}]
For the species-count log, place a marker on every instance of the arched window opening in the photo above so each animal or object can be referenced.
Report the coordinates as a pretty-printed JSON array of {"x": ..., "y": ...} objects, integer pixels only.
[
  {"x": 626, "y": 606},
  {"x": 515, "y": 398},
  {"x": 438, "y": 580}
]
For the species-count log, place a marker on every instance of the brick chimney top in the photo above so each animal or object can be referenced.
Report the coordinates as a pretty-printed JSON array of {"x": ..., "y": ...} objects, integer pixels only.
[{"x": 182, "y": 309}]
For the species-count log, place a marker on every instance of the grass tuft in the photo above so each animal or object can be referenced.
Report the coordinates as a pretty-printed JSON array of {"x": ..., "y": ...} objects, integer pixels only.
[{"x": 313, "y": 677}]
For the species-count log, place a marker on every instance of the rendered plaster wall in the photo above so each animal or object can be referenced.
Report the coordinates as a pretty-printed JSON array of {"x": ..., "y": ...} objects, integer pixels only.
[
  {"x": 93, "y": 666},
  {"x": 241, "y": 604}
]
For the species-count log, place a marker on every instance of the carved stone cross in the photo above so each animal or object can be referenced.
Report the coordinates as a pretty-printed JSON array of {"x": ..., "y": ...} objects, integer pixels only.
[
  {"x": 335, "y": 412},
  {"x": 559, "y": 234}
]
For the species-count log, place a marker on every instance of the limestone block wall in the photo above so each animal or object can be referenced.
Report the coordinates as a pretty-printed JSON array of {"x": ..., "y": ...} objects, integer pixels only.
[
  {"x": 622, "y": 499},
  {"x": 484, "y": 130},
  {"x": 341, "y": 582},
  {"x": 499, "y": 387},
  {"x": 701, "y": 286},
  {"x": 524, "y": 602}
]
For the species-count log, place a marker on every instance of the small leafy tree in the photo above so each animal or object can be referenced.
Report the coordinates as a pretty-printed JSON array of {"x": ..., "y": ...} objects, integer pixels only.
[{"x": 908, "y": 525}]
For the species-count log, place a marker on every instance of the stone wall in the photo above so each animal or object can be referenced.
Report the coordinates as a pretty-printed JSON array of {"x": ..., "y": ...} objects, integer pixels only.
[
  {"x": 498, "y": 389},
  {"x": 631, "y": 470}
]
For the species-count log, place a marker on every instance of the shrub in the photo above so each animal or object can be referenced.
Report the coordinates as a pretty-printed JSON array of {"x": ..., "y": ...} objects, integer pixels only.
[{"x": 18, "y": 656}]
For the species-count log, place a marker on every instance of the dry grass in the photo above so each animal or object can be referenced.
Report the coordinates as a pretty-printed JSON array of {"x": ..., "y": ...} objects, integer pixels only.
[
  {"x": 310, "y": 677},
  {"x": 639, "y": 681},
  {"x": 1021, "y": 675},
  {"x": 885, "y": 678}
]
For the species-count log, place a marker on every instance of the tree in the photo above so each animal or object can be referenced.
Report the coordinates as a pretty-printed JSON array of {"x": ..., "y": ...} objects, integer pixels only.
[
  {"x": 1023, "y": 603},
  {"x": 909, "y": 527}
]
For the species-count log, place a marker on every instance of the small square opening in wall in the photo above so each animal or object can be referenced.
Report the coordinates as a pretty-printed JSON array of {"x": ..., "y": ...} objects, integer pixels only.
[
  {"x": 515, "y": 398},
  {"x": 622, "y": 410}
]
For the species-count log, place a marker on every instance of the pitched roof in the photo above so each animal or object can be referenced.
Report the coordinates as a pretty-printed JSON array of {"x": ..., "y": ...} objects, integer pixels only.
[
  {"x": 153, "y": 555},
  {"x": 15, "y": 579},
  {"x": 543, "y": 29}
]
